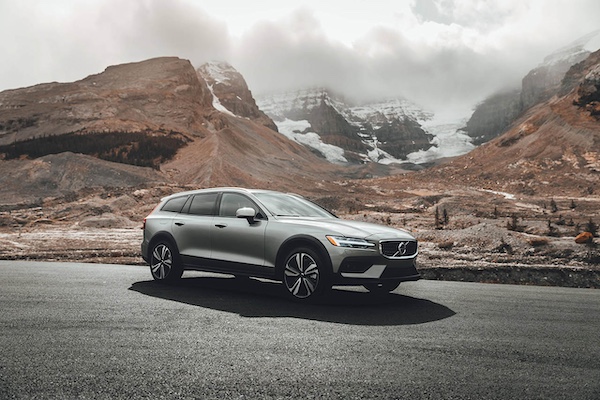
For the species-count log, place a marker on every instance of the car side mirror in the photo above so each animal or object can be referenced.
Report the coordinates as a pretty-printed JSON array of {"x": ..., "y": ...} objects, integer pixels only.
[{"x": 246, "y": 212}]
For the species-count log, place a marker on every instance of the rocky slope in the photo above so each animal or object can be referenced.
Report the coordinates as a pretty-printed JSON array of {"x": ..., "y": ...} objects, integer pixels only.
[
  {"x": 495, "y": 114},
  {"x": 26, "y": 183},
  {"x": 345, "y": 132},
  {"x": 554, "y": 148}
]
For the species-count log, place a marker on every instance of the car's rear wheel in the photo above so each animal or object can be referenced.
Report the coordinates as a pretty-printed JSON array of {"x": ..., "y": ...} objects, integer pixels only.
[
  {"x": 382, "y": 287},
  {"x": 164, "y": 262},
  {"x": 305, "y": 276}
]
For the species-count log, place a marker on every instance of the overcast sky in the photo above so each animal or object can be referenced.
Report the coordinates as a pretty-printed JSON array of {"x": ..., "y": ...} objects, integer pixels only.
[{"x": 443, "y": 54}]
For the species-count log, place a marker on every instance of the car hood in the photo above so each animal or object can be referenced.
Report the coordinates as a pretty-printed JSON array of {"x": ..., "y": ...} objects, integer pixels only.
[{"x": 356, "y": 229}]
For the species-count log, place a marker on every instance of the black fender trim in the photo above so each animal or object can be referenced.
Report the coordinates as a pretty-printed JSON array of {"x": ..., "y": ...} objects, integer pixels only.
[{"x": 296, "y": 241}]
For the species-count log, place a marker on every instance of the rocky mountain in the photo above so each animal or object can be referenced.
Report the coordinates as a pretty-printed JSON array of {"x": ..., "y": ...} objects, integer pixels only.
[
  {"x": 344, "y": 131},
  {"x": 157, "y": 115},
  {"x": 553, "y": 148},
  {"x": 495, "y": 114},
  {"x": 231, "y": 94},
  {"x": 159, "y": 95}
]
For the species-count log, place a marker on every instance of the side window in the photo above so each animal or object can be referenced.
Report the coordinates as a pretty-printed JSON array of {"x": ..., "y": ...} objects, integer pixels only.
[
  {"x": 231, "y": 202},
  {"x": 174, "y": 205},
  {"x": 203, "y": 204}
]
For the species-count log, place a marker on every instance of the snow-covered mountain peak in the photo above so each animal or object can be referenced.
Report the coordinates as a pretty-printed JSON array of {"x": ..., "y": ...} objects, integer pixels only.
[
  {"x": 218, "y": 72},
  {"x": 230, "y": 92},
  {"x": 383, "y": 131}
]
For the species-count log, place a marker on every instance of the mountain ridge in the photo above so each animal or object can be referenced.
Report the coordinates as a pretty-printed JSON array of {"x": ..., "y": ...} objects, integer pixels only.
[
  {"x": 552, "y": 149},
  {"x": 370, "y": 132}
]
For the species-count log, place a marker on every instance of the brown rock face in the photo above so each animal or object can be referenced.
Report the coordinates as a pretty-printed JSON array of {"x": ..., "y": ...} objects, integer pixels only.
[{"x": 162, "y": 94}]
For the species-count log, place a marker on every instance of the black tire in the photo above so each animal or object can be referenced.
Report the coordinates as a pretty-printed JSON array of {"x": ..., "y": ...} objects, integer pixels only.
[
  {"x": 305, "y": 275},
  {"x": 382, "y": 287},
  {"x": 164, "y": 262}
]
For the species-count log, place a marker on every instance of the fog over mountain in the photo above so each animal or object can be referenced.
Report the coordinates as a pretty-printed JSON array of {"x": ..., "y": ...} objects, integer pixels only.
[{"x": 446, "y": 55}]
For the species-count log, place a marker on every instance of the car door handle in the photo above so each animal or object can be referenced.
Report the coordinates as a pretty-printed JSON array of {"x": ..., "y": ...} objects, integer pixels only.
[
  {"x": 179, "y": 223},
  {"x": 221, "y": 225}
]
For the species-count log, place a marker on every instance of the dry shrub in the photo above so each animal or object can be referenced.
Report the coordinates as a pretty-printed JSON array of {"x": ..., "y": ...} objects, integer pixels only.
[
  {"x": 446, "y": 245},
  {"x": 538, "y": 241}
]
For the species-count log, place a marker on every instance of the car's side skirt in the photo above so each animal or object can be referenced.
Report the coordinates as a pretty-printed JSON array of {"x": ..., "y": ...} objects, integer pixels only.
[{"x": 227, "y": 267}]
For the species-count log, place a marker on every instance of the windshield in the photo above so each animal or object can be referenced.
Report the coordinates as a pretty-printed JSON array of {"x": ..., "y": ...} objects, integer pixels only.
[{"x": 287, "y": 205}]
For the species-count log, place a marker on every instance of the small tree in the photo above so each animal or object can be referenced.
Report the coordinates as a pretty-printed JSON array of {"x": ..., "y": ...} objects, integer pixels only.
[
  {"x": 438, "y": 222},
  {"x": 552, "y": 231},
  {"x": 591, "y": 227},
  {"x": 513, "y": 224},
  {"x": 553, "y": 206}
]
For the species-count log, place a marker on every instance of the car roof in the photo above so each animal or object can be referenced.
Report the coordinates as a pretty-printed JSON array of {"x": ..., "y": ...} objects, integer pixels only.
[{"x": 218, "y": 189}]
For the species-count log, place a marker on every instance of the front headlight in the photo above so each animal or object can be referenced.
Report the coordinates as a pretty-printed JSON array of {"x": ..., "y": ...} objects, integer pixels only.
[{"x": 354, "y": 243}]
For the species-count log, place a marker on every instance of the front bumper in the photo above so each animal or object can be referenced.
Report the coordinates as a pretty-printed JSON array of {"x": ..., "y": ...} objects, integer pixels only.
[{"x": 358, "y": 270}]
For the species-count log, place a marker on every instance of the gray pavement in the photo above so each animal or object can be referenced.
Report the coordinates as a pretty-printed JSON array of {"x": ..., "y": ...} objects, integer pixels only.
[{"x": 107, "y": 331}]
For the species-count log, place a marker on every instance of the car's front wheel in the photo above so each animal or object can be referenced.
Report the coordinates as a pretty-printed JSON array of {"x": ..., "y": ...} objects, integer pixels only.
[
  {"x": 305, "y": 276},
  {"x": 382, "y": 287},
  {"x": 164, "y": 262}
]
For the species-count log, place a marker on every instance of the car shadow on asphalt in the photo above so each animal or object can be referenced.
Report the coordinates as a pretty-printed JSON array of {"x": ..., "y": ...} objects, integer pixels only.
[{"x": 259, "y": 298}]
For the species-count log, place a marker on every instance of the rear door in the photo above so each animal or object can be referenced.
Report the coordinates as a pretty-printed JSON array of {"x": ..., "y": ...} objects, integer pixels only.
[
  {"x": 235, "y": 239},
  {"x": 192, "y": 227}
]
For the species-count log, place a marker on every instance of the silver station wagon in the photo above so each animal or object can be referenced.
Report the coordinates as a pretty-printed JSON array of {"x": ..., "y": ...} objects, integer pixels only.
[{"x": 279, "y": 236}]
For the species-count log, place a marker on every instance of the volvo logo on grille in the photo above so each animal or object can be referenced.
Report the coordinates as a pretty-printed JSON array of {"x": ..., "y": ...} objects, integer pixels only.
[{"x": 402, "y": 248}]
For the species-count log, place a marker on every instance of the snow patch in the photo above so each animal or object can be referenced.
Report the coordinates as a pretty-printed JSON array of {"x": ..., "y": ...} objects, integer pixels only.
[
  {"x": 216, "y": 103},
  {"x": 218, "y": 71},
  {"x": 507, "y": 196},
  {"x": 449, "y": 141},
  {"x": 293, "y": 131}
]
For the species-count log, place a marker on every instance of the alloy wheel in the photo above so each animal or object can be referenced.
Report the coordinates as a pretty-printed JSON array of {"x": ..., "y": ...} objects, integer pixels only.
[
  {"x": 162, "y": 262},
  {"x": 301, "y": 275}
]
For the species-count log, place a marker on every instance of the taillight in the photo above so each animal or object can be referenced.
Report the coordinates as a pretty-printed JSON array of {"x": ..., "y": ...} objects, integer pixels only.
[{"x": 144, "y": 224}]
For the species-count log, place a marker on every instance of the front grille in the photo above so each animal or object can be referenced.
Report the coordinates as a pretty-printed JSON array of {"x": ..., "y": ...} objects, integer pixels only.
[{"x": 399, "y": 248}]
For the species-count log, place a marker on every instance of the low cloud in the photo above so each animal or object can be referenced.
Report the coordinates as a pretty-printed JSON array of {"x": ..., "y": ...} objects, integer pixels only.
[{"x": 440, "y": 53}]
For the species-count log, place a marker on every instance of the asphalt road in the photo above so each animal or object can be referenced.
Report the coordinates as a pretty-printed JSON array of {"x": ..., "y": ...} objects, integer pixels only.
[{"x": 107, "y": 331}]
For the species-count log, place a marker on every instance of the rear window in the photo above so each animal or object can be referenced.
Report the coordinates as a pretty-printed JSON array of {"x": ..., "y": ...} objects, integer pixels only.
[{"x": 175, "y": 204}]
